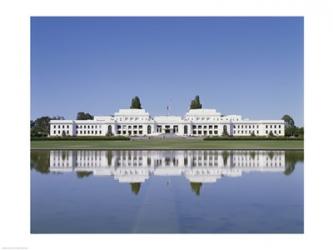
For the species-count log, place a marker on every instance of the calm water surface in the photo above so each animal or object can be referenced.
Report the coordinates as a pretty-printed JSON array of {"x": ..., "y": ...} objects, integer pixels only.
[{"x": 200, "y": 191}]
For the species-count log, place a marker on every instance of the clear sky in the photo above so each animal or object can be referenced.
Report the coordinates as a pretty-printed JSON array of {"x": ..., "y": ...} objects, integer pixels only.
[{"x": 252, "y": 66}]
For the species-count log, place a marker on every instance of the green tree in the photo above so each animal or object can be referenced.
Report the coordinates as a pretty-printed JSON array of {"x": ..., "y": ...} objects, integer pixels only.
[
  {"x": 289, "y": 121},
  {"x": 135, "y": 187},
  {"x": 292, "y": 157},
  {"x": 82, "y": 174},
  {"x": 84, "y": 116},
  {"x": 196, "y": 187},
  {"x": 136, "y": 104},
  {"x": 196, "y": 104},
  {"x": 40, "y": 127},
  {"x": 40, "y": 161}
]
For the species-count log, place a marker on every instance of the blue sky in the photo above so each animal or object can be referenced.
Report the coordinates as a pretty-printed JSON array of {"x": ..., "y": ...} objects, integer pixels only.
[{"x": 252, "y": 66}]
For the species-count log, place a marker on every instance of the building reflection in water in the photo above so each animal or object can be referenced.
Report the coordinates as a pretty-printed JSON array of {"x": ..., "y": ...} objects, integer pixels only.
[{"x": 137, "y": 166}]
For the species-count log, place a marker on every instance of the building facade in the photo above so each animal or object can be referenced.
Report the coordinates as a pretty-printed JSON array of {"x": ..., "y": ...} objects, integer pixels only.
[{"x": 196, "y": 122}]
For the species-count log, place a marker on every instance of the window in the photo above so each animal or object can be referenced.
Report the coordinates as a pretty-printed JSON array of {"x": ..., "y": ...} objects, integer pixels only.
[
  {"x": 266, "y": 132},
  {"x": 54, "y": 126},
  {"x": 100, "y": 132},
  {"x": 266, "y": 126},
  {"x": 185, "y": 129},
  {"x": 279, "y": 126},
  {"x": 63, "y": 126},
  {"x": 67, "y": 126},
  {"x": 257, "y": 131}
]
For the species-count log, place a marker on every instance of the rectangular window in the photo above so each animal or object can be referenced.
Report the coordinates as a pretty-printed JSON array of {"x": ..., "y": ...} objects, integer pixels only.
[
  {"x": 67, "y": 126},
  {"x": 100, "y": 132}
]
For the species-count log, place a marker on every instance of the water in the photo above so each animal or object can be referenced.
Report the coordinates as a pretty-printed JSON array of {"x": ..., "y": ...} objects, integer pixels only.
[{"x": 203, "y": 191}]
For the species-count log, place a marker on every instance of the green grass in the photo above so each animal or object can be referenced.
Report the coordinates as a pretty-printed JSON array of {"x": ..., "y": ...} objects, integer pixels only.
[{"x": 169, "y": 144}]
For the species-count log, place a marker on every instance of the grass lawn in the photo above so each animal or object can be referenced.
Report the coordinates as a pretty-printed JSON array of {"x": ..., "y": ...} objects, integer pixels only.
[{"x": 169, "y": 144}]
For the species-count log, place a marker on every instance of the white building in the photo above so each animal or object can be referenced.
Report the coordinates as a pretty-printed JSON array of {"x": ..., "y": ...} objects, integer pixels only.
[
  {"x": 133, "y": 166},
  {"x": 138, "y": 122}
]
